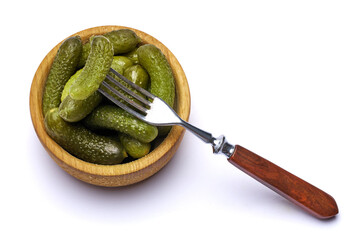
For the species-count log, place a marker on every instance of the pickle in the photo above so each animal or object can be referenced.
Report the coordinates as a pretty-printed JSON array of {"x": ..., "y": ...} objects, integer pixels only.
[
  {"x": 120, "y": 63},
  {"x": 84, "y": 55},
  {"x": 123, "y": 40},
  {"x": 133, "y": 56},
  {"x": 162, "y": 81},
  {"x": 134, "y": 147},
  {"x": 114, "y": 118},
  {"x": 137, "y": 75},
  {"x": 68, "y": 84},
  {"x": 72, "y": 110},
  {"x": 62, "y": 68},
  {"x": 81, "y": 142},
  {"x": 97, "y": 66}
]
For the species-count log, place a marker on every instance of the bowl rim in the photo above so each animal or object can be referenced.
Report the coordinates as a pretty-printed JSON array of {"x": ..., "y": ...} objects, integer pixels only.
[{"x": 56, "y": 150}]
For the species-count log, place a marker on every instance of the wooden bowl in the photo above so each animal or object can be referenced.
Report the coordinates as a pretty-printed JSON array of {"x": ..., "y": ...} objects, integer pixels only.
[{"x": 121, "y": 174}]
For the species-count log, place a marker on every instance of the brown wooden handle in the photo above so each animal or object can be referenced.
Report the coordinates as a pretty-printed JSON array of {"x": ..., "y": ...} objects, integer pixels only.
[{"x": 303, "y": 194}]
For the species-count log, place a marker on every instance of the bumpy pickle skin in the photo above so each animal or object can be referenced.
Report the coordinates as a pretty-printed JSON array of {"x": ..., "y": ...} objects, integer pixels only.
[
  {"x": 94, "y": 72},
  {"x": 162, "y": 81},
  {"x": 62, "y": 68},
  {"x": 114, "y": 118},
  {"x": 75, "y": 110},
  {"x": 134, "y": 147},
  {"x": 72, "y": 110},
  {"x": 83, "y": 143},
  {"x": 120, "y": 63},
  {"x": 68, "y": 84},
  {"x": 123, "y": 40}
]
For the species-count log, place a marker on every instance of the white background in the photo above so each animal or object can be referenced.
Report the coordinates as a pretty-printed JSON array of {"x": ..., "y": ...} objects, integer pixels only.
[{"x": 280, "y": 78}]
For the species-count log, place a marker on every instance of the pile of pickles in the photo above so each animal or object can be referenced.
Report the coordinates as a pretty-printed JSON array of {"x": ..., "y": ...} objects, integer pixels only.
[{"x": 85, "y": 123}]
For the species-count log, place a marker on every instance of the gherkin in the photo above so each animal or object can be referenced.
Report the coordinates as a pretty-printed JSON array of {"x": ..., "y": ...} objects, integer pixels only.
[
  {"x": 162, "y": 81},
  {"x": 62, "y": 68},
  {"x": 94, "y": 72},
  {"x": 83, "y": 143}
]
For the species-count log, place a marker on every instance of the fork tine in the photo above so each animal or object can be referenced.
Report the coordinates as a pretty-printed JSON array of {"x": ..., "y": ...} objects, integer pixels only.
[
  {"x": 128, "y": 91},
  {"x": 121, "y": 105},
  {"x": 122, "y": 96},
  {"x": 140, "y": 89}
]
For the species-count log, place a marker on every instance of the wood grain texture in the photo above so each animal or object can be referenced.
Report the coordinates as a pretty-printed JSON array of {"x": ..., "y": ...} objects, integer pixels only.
[
  {"x": 303, "y": 194},
  {"x": 121, "y": 174}
]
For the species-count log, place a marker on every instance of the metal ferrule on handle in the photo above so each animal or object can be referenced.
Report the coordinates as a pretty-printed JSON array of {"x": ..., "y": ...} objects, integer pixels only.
[{"x": 219, "y": 144}]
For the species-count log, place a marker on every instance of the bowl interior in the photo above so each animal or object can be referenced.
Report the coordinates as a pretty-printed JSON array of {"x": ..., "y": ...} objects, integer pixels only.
[{"x": 121, "y": 174}]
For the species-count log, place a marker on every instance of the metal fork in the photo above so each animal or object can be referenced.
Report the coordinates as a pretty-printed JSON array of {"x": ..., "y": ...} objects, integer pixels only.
[{"x": 155, "y": 111}]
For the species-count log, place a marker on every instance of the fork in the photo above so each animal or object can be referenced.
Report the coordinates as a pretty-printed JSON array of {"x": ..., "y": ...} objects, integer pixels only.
[{"x": 155, "y": 111}]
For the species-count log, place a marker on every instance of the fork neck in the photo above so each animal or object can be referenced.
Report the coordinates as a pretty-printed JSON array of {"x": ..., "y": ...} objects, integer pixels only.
[{"x": 219, "y": 144}]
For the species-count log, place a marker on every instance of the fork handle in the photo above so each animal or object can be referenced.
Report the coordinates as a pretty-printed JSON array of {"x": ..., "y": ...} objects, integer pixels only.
[{"x": 303, "y": 194}]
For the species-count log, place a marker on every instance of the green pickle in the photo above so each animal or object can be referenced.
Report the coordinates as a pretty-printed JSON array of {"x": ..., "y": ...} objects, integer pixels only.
[
  {"x": 83, "y": 143},
  {"x": 133, "y": 56},
  {"x": 139, "y": 76},
  {"x": 97, "y": 66},
  {"x": 134, "y": 147},
  {"x": 120, "y": 63},
  {"x": 135, "y": 74},
  {"x": 85, "y": 54},
  {"x": 72, "y": 110},
  {"x": 68, "y": 84},
  {"x": 123, "y": 40},
  {"x": 162, "y": 81},
  {"x": 114, "y": 118},
  {"x": 62, "y": 68}
]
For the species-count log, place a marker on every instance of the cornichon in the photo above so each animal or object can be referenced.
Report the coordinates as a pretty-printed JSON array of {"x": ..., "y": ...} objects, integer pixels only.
[
  {"x": 162, "y": 81},
  {"x": 134, "y": 147},
  {"x": 63, "y": 67},
  {"x": 72, "y": 110},
  {"x": 68, "y": 84},
  {"x": 97, "y": 66},
  {"x": 139, "y": 76},
  {"x": 81, "y": 142},
  {"x": 114, "y": 118},
  {"x": 133, "y": 56},
  {"x": 120, "y": 63},
  {"x": 135, "y": 74},
  {"x": 123, "y": 40}
]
